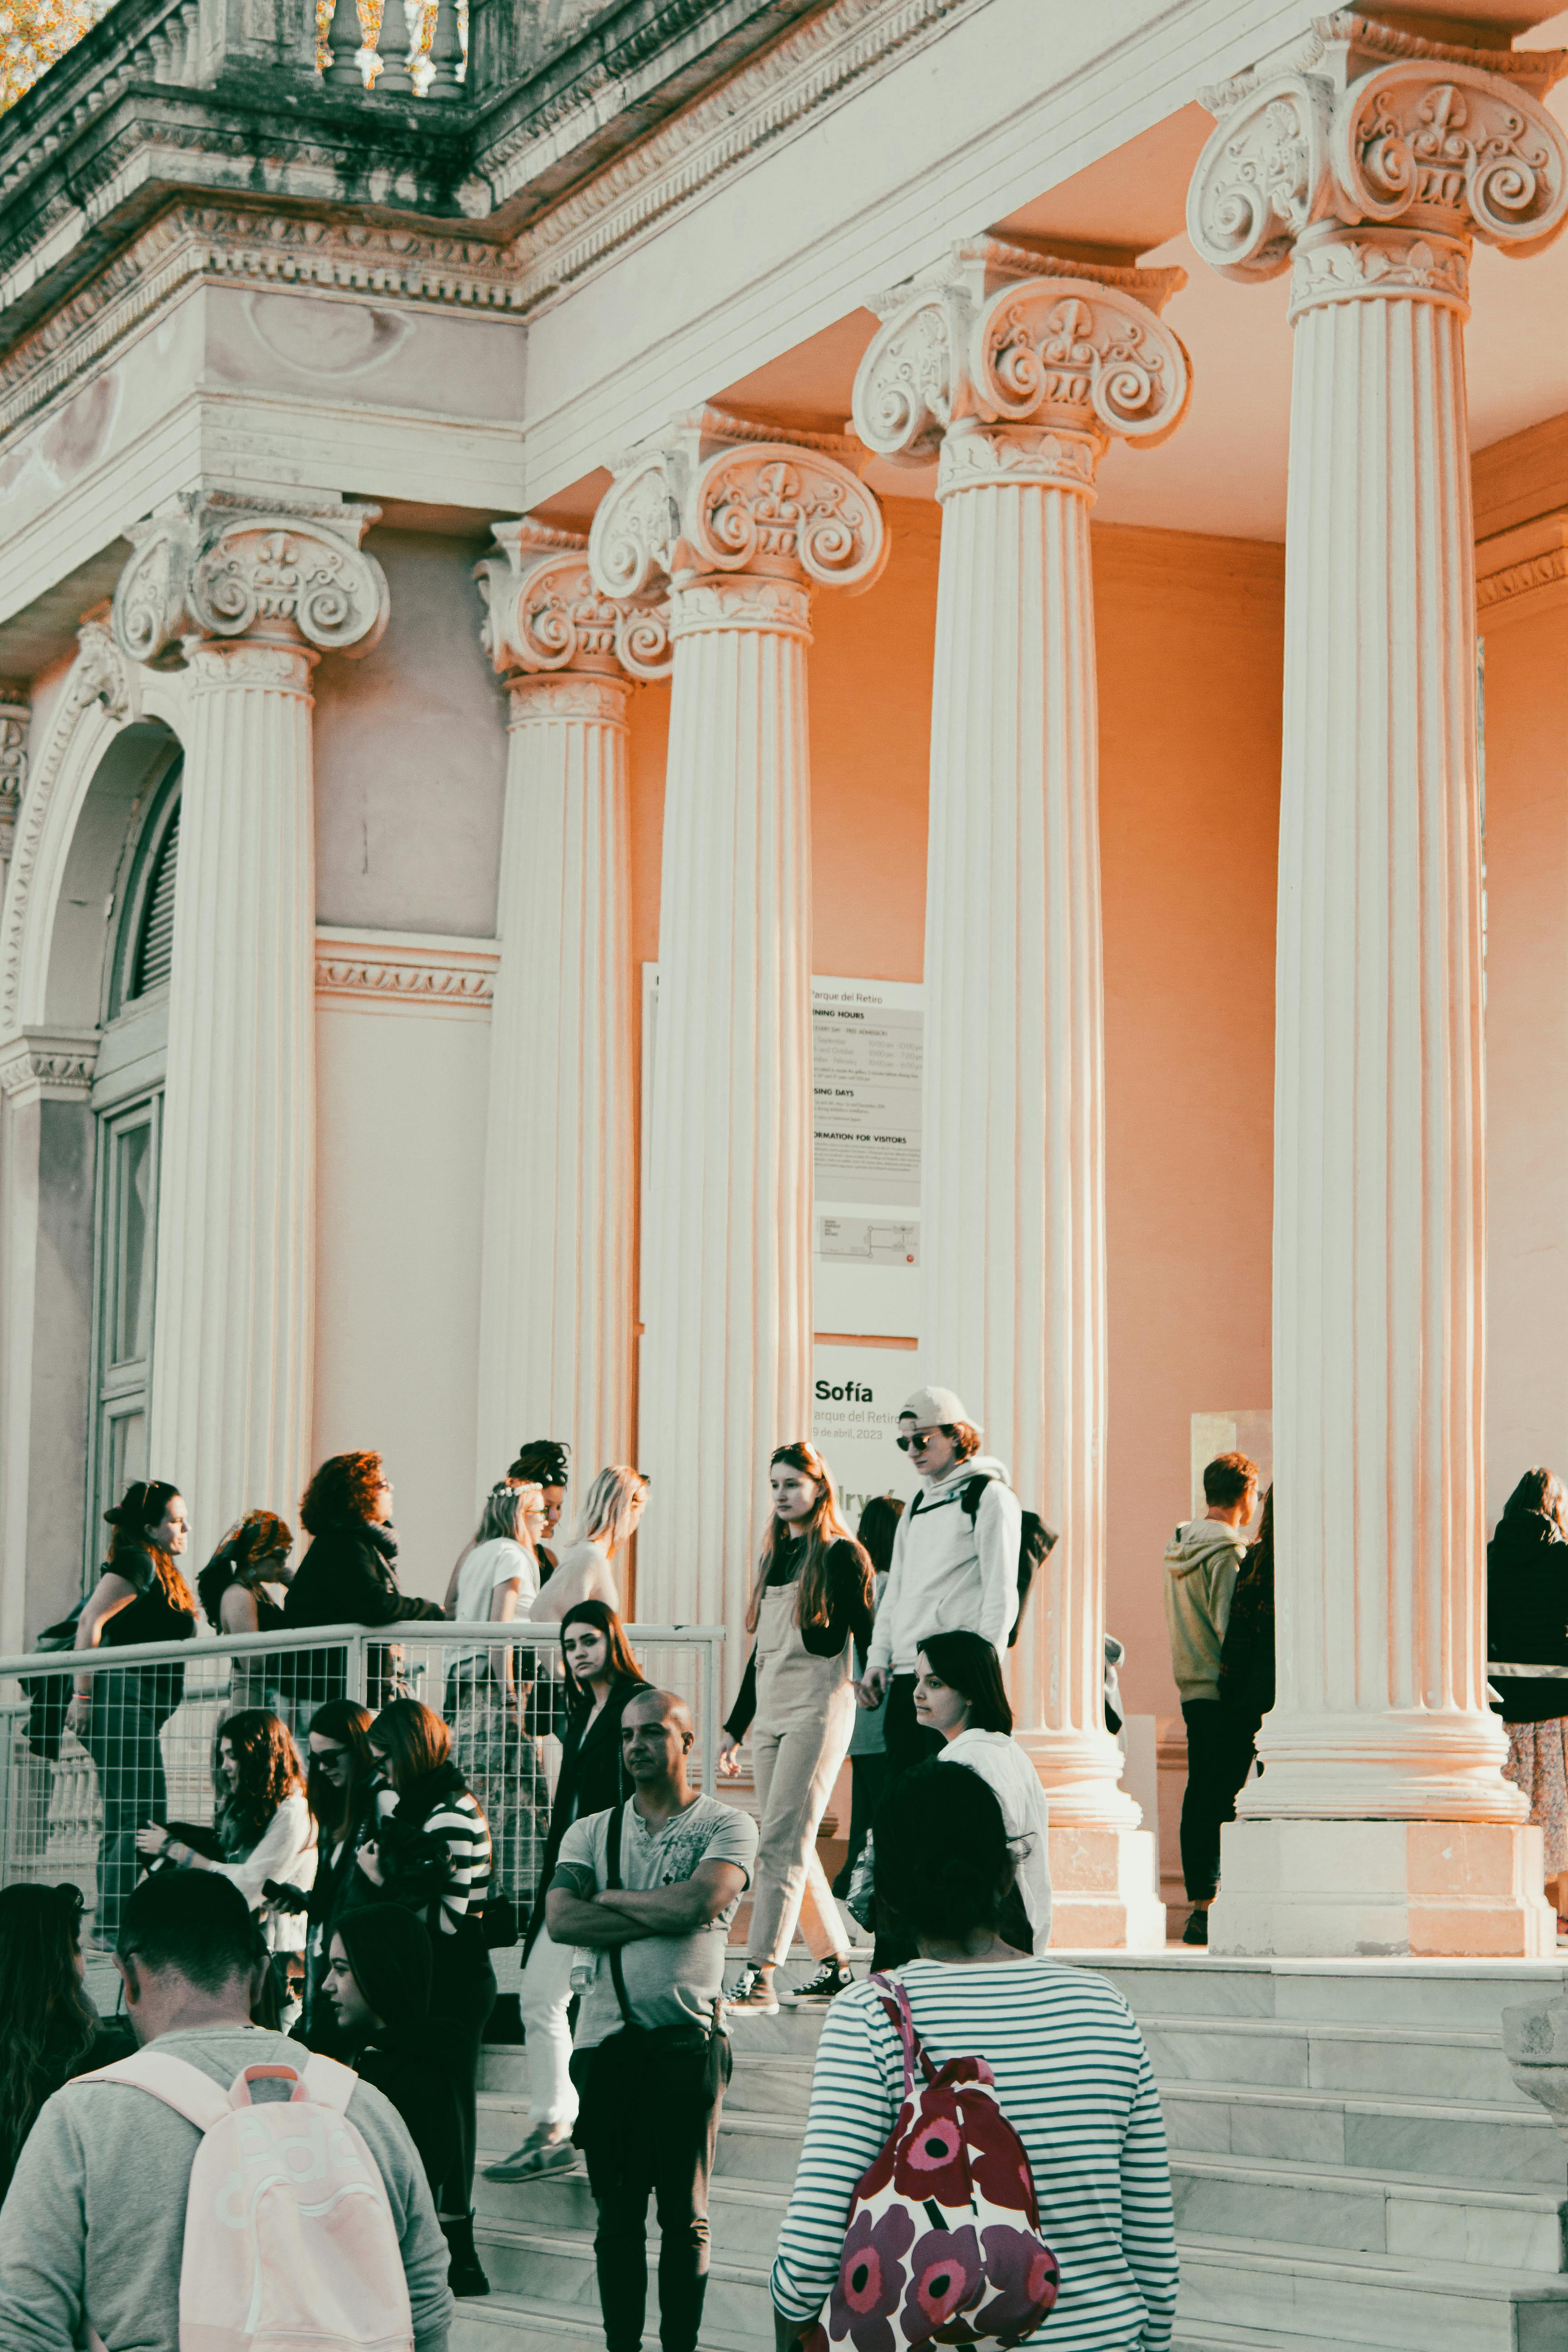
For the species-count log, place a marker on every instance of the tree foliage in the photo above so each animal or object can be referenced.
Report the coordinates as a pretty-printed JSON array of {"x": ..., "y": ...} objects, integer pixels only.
[{"x": 33, "y": 34}]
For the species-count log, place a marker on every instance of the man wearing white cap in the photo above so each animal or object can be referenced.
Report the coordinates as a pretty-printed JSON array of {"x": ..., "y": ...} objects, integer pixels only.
[{"x": 954, "y": 1569}]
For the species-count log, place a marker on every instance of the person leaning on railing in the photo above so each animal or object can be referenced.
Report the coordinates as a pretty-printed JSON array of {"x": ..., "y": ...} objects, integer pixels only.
[
  {"x": 141, "y": 1596},
  {"x": 236, "y": 1589}
]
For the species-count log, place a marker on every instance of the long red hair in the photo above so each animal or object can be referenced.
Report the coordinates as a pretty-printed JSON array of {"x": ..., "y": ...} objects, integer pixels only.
[{"x": 144, "y": 1507}]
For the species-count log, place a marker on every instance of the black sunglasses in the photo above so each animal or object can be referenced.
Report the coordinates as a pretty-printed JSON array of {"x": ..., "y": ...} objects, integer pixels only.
[{"x": 917, "y": 1441}]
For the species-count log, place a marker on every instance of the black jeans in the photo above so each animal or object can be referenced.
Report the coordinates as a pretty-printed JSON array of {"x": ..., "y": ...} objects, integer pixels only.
[
  {"x": 1219, "y": 1755},
  {"x": 646, "y": 2128},
  {"x": 908, "y": 1744},
  {"x": 462, "y": 1995},
  {"x": 868, "y": 1778}
]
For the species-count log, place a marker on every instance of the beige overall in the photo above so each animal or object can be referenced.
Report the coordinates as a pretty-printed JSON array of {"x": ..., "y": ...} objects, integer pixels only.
[{"x": 800, "y": 1736}]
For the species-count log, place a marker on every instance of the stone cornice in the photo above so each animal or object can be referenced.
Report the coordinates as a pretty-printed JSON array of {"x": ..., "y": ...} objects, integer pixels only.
[{"x": 362, "y": 970}]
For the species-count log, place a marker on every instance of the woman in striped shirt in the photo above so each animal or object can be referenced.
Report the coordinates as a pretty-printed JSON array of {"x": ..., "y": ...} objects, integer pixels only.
[
  {"x": 432, "y": 1855},
  {"x": 1072, "y": 2077}
]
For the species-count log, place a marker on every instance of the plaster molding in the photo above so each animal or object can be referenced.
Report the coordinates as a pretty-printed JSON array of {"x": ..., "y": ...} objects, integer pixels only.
[
  {"x": 44, "y": 1066},
  {"x": 718, "y": 494},
  {"x": 101, "y": 694},
  {"x": 1001, "y": 336},
  {"x": 1355, "y": 265},
  {"x": 567, "y": 694},
  {"x": 543, "y": 612},
  {"x": 1523, "y": 572},
  {"x": 190, "y": 242},
  {"x": 217, "y": 564},
  {"x": 1374, "y": 127},
  {"x": 807, "y": 69},
  {"x": 362, "y": 970},
  {"x": 16, "y": 717}
]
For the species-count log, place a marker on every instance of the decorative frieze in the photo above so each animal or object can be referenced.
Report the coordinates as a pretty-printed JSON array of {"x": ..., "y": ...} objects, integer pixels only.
[
  {"x": 378, "y": 971},
  {"x": 14, "y": 716},
  {"x": 43, "y": 1065},
  {"x": 1522, "y": 571}
]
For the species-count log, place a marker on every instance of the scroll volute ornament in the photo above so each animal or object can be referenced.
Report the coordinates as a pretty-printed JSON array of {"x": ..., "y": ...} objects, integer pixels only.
[
  {"x": 1007, "y": 342},
  {"x": 544, "y": 611},
  {"x": 1430, "y": 140},
  {"x": 218, "y": 566},
  {"x": 688, "y": 508}
]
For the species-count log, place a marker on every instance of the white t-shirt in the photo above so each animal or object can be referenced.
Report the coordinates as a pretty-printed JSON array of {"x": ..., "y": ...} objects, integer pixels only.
[
  {"x": 998, "y": 1758},
  {"x": 488, "y": 1566}
]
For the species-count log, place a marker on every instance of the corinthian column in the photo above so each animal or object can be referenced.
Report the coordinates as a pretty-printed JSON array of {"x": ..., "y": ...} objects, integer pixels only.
[
  {"x": 1367, "y": 179},
  {"x": 560, "y": 1215},
  {"x": 1018, "y": 369},
  {"x": 248, "y": 598},
  {"x": 741, "y": 522}
]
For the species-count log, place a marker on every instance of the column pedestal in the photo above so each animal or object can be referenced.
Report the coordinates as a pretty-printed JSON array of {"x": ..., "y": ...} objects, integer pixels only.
[{"x": 1322, "y": 1890}]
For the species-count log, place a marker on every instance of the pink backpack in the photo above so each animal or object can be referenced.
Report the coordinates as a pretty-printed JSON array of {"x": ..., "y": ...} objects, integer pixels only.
[
  {"x": 290, "y": 2241},
  {"x": 944, "y": 2243}
]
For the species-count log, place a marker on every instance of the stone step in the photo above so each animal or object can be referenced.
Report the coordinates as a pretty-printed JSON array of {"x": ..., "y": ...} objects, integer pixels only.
[
  {"x": 1418, "y": 2220},
  {"x": 1394, "y": 1992},
  {"x": 1310, "y": 2297},
  {"x": 515, "y": 2323},
  {"x": 1458, "y": 2064},
  {"x": 1411, "y": 2138},
  {"x": 556, "y": 2268},
  {"x": 746, "y": 2215},
  {"x": 1211, "y": 2335}
]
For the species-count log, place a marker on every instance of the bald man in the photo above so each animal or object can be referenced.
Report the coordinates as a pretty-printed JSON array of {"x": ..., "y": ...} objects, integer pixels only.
[{"x": 649, "y": 1890}]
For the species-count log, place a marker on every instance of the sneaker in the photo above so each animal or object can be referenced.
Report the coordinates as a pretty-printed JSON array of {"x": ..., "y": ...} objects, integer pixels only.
[
  {"x": 831, "y": 1978},
  {"x": 545, "y": 2150},
  {"x": 753, "y": 1995},
  {"x": 1196, "y": 1930}
]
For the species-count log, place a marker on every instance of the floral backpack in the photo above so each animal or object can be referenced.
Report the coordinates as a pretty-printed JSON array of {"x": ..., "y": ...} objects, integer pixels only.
[{"x": 943, "y": 2243}]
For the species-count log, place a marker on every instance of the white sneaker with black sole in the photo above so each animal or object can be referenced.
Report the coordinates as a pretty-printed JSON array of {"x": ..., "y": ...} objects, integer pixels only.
[{"x": 831, "y": 1978}]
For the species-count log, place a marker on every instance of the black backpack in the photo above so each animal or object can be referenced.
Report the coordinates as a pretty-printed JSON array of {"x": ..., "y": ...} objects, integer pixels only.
[{"x": 1035, "y": 1540}]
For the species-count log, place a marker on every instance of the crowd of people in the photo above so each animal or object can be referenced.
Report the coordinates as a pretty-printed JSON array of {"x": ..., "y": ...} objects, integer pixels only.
[{"x": 332, "y": 1926}]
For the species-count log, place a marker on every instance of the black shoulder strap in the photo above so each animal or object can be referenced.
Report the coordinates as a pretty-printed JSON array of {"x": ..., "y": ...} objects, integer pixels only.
[
  {"x": 612, "y": 1878},
  {"x": 974, "y": 1490}
]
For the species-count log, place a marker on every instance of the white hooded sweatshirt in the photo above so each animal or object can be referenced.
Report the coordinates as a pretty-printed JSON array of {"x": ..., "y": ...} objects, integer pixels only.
[{"x": 950, "y": 1574}]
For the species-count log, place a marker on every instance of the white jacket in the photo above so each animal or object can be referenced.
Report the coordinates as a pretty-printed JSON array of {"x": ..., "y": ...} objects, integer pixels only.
[
  {"x": 998, "y": 1758},
  {"x": 950, "y": 1575}
]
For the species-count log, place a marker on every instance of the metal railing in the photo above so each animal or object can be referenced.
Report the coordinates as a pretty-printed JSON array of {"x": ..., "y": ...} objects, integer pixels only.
[{"x": 73, "y": 1797}]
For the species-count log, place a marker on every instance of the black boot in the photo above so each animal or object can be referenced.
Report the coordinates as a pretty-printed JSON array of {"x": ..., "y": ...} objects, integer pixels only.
[{"x": 466, "y": 2275}]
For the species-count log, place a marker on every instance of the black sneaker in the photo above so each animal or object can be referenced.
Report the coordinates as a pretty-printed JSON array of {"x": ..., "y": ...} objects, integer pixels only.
[
  {"x": 831, "y": 1978},
  {"x": 1196, "y": 1930}
]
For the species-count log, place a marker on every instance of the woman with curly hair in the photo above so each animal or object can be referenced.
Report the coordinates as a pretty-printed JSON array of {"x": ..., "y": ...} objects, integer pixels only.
[
  {"x": 49, "y": 2030},
  {"x": 261, "y": 1829},
  {"x": 349, "y": 1576},
  {"x": 141, "y": 1596}
]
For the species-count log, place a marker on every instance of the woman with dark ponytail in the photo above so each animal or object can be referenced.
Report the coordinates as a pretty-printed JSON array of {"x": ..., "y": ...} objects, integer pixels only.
[
  {"x": 139, "y": 1596},
  {"x": 1072, "y": 2076}
]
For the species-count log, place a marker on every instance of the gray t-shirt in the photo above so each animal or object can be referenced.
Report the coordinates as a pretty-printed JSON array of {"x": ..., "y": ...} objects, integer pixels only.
[{"x": 669, "y": 1980}]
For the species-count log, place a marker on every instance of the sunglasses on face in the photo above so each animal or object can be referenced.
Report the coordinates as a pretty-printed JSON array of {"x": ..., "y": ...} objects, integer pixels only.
[{"x": 917, "y": 1441}]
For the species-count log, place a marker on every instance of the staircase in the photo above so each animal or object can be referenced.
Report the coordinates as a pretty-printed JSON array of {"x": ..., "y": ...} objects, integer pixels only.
[{"x": 1353, "y": 2167}]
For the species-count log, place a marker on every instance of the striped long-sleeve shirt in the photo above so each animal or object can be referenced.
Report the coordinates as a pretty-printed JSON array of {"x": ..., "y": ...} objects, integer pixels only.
[
  {"x": 1073, "y": 2079},
  {"x": 438, "y": 1811}
]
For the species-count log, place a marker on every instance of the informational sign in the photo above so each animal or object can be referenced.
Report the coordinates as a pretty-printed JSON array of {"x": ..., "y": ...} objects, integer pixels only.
[
  {"x": 856, "y": 1396},
  {"x": 867, "y": 1041}
]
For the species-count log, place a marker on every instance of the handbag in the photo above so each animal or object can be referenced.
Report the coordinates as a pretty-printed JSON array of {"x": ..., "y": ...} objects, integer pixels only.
[
  {"x": 50, "y": 1695},
  {"x": 943, "y": 2243}
]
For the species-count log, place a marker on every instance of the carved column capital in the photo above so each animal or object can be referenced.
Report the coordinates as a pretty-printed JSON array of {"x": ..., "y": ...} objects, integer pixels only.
[
  {"x": 217, "y": 565},
  {"x": 543, "y": 611},
  {"x": 717, "y": 495},
  {"x": 1375, "y": 128},
  {"x": 1021, "y": 366}
]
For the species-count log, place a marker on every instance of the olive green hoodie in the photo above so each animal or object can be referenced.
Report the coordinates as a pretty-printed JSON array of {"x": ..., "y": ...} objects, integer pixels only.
[{"x": 1202, "y": 1557}]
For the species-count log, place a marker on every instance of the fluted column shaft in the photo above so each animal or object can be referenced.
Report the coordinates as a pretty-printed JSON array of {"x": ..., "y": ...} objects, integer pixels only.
[
  {"x": 230, "y": 1415},
  {"x": 1014, "y": 1157},
  {"x": 555, "y": 1326},
  {"x": 727, "y": 1247},
  {"x": 1379, "y": 1175}
]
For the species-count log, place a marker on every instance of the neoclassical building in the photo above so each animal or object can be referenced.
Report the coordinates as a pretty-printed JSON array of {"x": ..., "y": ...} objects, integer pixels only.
[{"x": 745, "y": 703}]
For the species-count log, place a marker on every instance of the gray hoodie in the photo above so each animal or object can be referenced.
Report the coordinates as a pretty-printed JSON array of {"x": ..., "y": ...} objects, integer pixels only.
[
  {"x": 1203, "y": 1557},
  {"x": 94, "y": 2226}
]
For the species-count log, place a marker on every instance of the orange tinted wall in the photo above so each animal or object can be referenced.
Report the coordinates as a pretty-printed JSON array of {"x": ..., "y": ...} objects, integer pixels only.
[{"x": 1190, "y": 637}]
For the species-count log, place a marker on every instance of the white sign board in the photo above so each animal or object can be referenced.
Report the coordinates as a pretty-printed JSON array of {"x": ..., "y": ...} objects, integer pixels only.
[
  {"x": 856, "y": 1396},
  {"x": 868, "y": 1043}
]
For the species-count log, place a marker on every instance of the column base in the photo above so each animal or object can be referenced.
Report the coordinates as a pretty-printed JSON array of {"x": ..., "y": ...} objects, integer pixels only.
[
  {"x": 1104, "y": 1896},
  {"x": 1356, "y": 1890}
]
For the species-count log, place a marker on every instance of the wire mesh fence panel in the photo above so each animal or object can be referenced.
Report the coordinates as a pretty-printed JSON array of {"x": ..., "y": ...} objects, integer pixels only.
[{"x": 100, "y": 1751}]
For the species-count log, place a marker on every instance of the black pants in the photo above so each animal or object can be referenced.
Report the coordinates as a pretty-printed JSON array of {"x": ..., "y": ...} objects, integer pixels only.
[
  {"x": 868, "y": 1778},
  {"x": 646, "y": 2128},
  {"x": 908, "y": 1743},
  {"x": 1219, "y": 1755},
  {"x": 462, "y": 1995}
]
